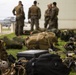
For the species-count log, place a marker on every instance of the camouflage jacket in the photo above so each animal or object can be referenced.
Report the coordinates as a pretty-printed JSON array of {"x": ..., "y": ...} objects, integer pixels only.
[
  {"x": 19, "y": 12},
  {"x": 54, "y": 14},
  {"x": 34, "y": 11},
  {"x": 47, "y": 13}
]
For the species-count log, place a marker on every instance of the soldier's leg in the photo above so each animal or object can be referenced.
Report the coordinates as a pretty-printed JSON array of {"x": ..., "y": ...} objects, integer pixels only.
[
  {"x": 56, "y": 26},
  {"x": 16, "y": 28},
  {"x": 51, "y": 24},
  {"x": 48, "y": 22},
  {"x": 21, "y": 27},
  {"x": 37, "y": 24},
  {"x": 21, "y": 24},
  {"x": 32, "y": 24},
  {"x": 45, "y": 24},
  {"x": 21, "y": 30}
]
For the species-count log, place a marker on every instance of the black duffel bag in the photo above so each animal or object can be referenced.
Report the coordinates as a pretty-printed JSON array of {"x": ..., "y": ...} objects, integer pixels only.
[{"x": 47, "y": 64}]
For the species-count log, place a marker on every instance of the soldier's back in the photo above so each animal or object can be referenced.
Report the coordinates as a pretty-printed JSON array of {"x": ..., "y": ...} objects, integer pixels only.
[
  {"x": 34, "y": 10},
  {"x": 18, "y": 9},
  {"x": 56, "y": 9}
]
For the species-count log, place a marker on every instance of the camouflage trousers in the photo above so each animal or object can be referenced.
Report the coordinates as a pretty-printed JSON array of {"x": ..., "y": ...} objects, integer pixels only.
[
  {"x": 19, "y": 27},
  {"x": 53, "y": 24},
  {"x": 47, "y": 19},
  {"x": 34, "y": 21}
]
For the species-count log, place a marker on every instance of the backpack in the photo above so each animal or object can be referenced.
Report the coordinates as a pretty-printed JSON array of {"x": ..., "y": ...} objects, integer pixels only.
[{"x": 47, "y": 64}]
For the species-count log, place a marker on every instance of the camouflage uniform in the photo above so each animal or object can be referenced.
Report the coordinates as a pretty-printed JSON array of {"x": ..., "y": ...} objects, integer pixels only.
[
  {"x": 54, "y": 19},
  {"x": 20, "y": 16},
  {"x": 47, "y": 17},
  {"x": 34, "y": 14}
]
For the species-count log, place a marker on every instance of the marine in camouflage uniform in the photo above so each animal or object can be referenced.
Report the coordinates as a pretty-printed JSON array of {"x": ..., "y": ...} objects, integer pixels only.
[
  {"x": 47, "y": 15},
  {"x": 54, "y": 19},
  {"x": 34, "y": 14},
  {"x": 20, "y": 16}
]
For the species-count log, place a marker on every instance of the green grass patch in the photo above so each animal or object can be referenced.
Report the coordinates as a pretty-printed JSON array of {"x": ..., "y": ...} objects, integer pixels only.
[
  {"x": 8, "y": 35},
  {"x": 72, "y": 73},
  {"x": 8, "y": 29},
  {"x": 15, "y": 51}
]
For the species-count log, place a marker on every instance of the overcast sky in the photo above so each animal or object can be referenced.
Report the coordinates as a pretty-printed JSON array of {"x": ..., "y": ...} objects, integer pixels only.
[{"x": 6, "y": 7}]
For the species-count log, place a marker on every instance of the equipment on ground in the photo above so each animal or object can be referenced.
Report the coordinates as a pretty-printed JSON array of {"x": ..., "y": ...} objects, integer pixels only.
[
  {"x": 29, "y": 54},
  {"x": 42, "y": 41},
  {"x": 47, "y": 64}
]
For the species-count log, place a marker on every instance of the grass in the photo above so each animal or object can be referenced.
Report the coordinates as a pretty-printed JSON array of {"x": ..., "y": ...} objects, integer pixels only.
[
  {"x": 8, "y": 29},
  {"x": 15, "y": 51},
  {"x": 73, "y": 73},
  {"x": 8, "y": 35}
]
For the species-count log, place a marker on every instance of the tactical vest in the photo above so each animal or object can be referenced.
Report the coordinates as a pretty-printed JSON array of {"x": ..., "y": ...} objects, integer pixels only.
[
  {"x": 34, "y": 10},
  {"x": 18, "y": 10}
]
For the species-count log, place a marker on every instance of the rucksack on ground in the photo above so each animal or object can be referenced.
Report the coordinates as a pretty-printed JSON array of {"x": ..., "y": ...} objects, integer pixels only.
[{"x": 47, "y": 64}]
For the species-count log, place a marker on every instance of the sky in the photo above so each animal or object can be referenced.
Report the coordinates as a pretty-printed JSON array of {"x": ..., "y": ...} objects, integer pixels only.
[
  {"x": 6, "y": 7},
  {"x": 65, "y": 6}
]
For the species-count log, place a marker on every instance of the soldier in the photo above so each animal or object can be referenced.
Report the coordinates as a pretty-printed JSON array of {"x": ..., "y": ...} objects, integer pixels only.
[
  {"x": 47, "y": 15},
  {"x": 34, "y": 14},
  {"x": 20, "y": 16},
  {"x": 54, "y": 19}
]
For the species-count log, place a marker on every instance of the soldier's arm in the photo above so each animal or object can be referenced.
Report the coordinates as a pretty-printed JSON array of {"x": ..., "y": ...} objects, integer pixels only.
[
  {"x": 13, "y": 11},
  {"x": 45, "y": 13},
  {"x": 24, "y": 15},
  {"x": 29, "y": 14},
  {"x": 39, "y": 13},
  {"x": 58, "y": 11}
]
